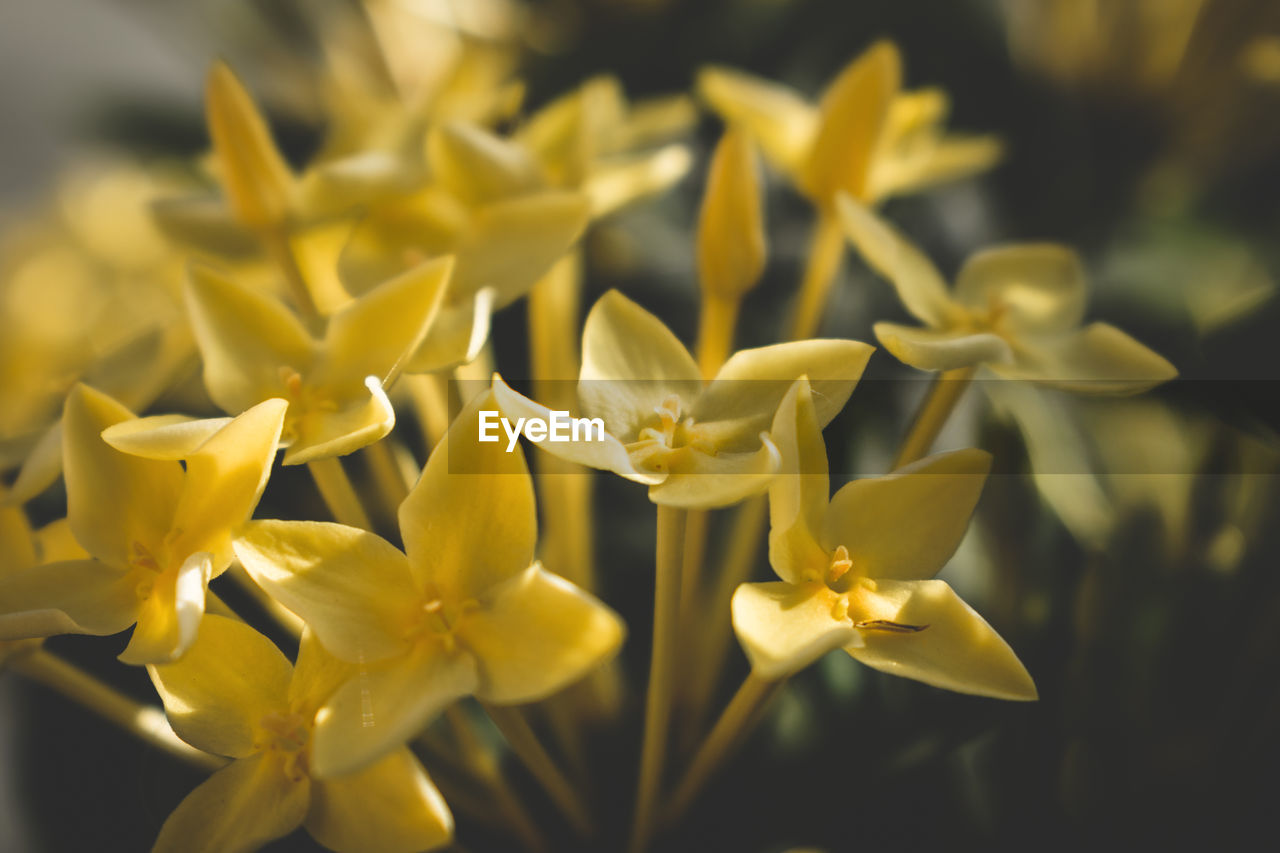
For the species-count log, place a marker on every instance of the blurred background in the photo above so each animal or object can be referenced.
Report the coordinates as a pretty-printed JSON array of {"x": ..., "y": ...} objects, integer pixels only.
[{"x": 1128, "y": 549}]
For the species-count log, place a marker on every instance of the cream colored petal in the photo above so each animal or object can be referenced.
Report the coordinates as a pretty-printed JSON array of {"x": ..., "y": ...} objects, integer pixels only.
[
  {"x": 352, "y": 587},
  {"x": 322, "y": 433},
  {"x": 698, "y": 480},
  {"x": 942, "y": 349},
  {"x": 457, "y": 335},
  {"x": 114, "y": 501},
  {"x": 386, "y": 704},
  {"x": 778, "y": 117},
  {"x": 731, "y": 241},
  {"x": 170, "y": 617},
  {"x": 604, "y": 452},
  {"x": 619, "y": 181},
  {"x": 784, "y": 627},
  {"x": 470, "y": 521},
  {"x": 71, "y": 597},
  {"x": 798, "y": 495},
  {"x": 237, "y": 810},
  {"x": 477, "y": 165},
  {"x": 389, "y": 807},
  {"x": 906, "y": 525},
  {"x": 745, "y": 394},
  {"x": 535, "y": 634},
  {"x": 1098, "y": 359},
  {"x": 854, "y": 113},
  {"x": 631, "y": 364},
  {"x": 217, "y": 695},
  {"x": 166, "y": 437},
  {"x": 245, "y": 339},
  {"x": 920, "y": 286},
  {"x": 955, "y": 650},
  {"x": 1038, "y": 286}
]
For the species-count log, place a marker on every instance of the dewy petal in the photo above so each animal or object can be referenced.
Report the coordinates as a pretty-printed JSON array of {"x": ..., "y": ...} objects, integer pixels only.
[
  {"x": 920, "y": 286},
  {"x": 217, "y": 694},
  {"x": 170, "y": 617},
  {"x": 798, "y": 495},
  {"x": 389, "y": 807},
  {"x": 1098, "y": 359},
  {"x": 225, "y": 478},
  {"x": 470, "y": 521},
  {"x": 114, "y": 500},
  {"x": 956, "y": 650},
  {"x": 854, "y": 112},
  {"x": 478, "y": 166},
  {"x": 385, "y": 704},
  {"x": 1039, "y": 286},
  {"x": 731, "y": 241},
  {"x": 70, "y": 597},
  {"x": 615, "y": 183},
  {"x": 352, "y": 587},
  {"x": 535, "y": 634},
  {"x": 166, "y": 437},
  {"x": 237, "y": 810},
  {"x": 906, "y": 525},
  {"x": 785, "y": 627},
  {"x": 605, "y": 453},
  {"x": 751, "y": 384},
  {"x": 779, "y": 117},
  {"x": 321, "y": 434},
  {"x": 631, "y": 364},
  {"x": 698, "y": 480},
  {"x": 245, "y": 339},
  {"x": 942, "y": 349}
]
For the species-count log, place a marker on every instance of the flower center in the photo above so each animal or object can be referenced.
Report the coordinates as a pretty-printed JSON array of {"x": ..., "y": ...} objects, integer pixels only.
[
  {"x": 440, "y": 619},
  {"x": 304, "y": 400},
  {"x": 146, "y": 567},
  {"x": 851, "y": 590},
  {"x": 656, "y": 443},
  {"x": 288, "y": 737}
]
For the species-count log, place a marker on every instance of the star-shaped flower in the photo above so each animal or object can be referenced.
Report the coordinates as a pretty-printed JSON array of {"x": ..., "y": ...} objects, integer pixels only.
[
  {"x": 464, "y": 611},
  {"x": 234, "y": 694},
  {"x": 855, "y": 570},
  {"x": 694, "y": 446},
  {"x": 158, "y": 531}
]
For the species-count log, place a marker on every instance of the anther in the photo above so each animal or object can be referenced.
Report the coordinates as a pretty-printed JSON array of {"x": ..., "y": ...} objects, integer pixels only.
[{"x": 840, "y": 564}]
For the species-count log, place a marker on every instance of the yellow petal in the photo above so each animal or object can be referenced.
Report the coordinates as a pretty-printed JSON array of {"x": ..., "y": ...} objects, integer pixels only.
[
  {"x": 535, "y": 634},
  {"x": 170, "y": 617},
  {"x": 631, "y": 364},
  {"x": 784, "y": 627},
  {"x": 942, "y": 349},
  {"x": 751, "y": 384},
  {"x": 478, "y": 166},
  {"x": 245, "y": 339},
  {"x": 55, "y": 542},
  {"x": 906, "y": 525},
  {"x": 316, "y": 675},
  {"x": 619, "y": 181},
  {"x": 237, "y": 810},
  {"x": 256, "y": 179},
  {"x": 698, "y": 480},
  {"x": 855, "y": 110},
  {"x": 352, "y": 587},
  {"x": 320, "y": 433},
  {"x": 731, "y": 242},
  {"x": 168, "y": 437},
  {"x": 385, "y": 704},
  {"x": 208, "y": 224},
  {"x": 317, "y": 249},
  {"x": 947, "y": 159},
  {"x": 956, "y": 650},
  {"x": 458, "y": 334},
  {"x": 1039, "y": 286},
  {"x": 17, "y": 540},
  {"x": 798, "y": 496},
  {"x": 778, "y": 117},
  {"x": 40, "y": 469},
  {"x": 71, "y": 597},
  {"x": 217, "y": 695},
  {"x": 389, "y": 807},
  {"x": 113, "y": 500},
  {"x": 920, "y": 286},
  {"x": 1098, "y": 359}
]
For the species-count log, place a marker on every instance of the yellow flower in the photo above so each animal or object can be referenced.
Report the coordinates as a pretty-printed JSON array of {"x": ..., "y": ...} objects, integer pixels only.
[
  {"x": 866, "y": 137},
  {"x": 1015, "y": 309},
  {"x": 694, "y": 446},
  {"x": 466, "y": 611},
  {"x": 157, "y": 533},
  {"x": 855, "y": 570},
  {"x": 255, "y": 348},
  {"x": 235, "y": 694}
]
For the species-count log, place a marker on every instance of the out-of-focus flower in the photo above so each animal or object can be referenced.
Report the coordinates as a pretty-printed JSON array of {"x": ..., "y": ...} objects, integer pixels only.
[
  {"x": 855, "y": 569},
  {"x": 694, "y": 446},
  {"x": 234, "y": 694},
  {"x": 467, "y": 611},
  {"x": 157, "y": 531},
  {"x": 1015, "y": 310}
]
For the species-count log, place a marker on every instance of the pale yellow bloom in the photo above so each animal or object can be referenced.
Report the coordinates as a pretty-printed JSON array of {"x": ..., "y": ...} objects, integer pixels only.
[
  {"x": 694, "y": 446},
  {"x": 465, "y": 611},
  {"x": 731, "y": 238},
  {"x": 234, "y": 694},
  {"x": 1015, "y": 310},
  {"x": 157, "y": 532},
  {"x": 854, "y": 570}
]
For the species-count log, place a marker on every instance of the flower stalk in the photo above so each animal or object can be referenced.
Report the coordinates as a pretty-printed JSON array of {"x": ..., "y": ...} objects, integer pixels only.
[
  {"x": 338, "y": 493},
  {"x": 932, "y": 415}
]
